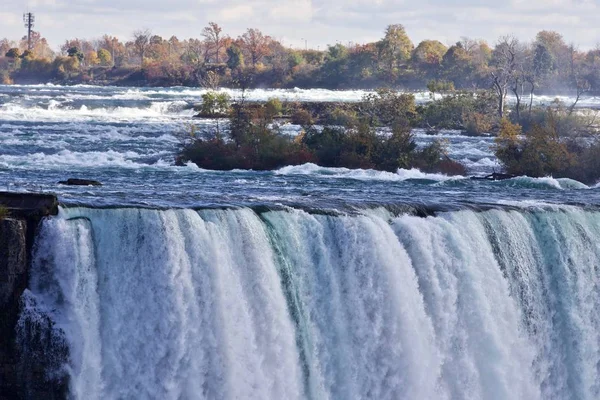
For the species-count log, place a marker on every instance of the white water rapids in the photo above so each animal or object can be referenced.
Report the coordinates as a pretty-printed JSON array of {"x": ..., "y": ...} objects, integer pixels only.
[{"x": 230, "y": 304}]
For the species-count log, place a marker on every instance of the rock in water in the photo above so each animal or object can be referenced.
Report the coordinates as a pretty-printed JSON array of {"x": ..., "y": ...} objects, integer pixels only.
[{"x": 80, "y": 182}]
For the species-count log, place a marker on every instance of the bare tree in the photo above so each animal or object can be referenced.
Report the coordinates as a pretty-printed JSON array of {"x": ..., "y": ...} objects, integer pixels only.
[
  {"x": 213, "y": 38},
  {"x": 504, "y": 59},
  {"x": 141, "y": 43},
  {"x": 521, "y": 74},
  {"x": 582, "y": 86},
  {"x": 210, "y": 80}
]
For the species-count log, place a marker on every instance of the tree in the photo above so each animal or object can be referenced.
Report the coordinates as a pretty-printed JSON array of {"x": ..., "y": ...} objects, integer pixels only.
[
  {"x": 141, "y": 42},
  {"x": 174, "y": 46},
  {"x": 457, "y": 65},
  {"x": 13, "y": 53},
  {"x": 76, "y": 53},
  {"x": 505, "y": 63},
  {"x": 91, "y": 58},
  {"x": 560, "y": 52},
  {"x": 213, "y": 39},
  {"x": 295, "y": 59},
  {"x": 256, "y": 45},
  {"x": 5, "y": 46},
  {"x": 104, "y": 57},
  {"x": 334, "y": 70},
  {"x": 428, "y": 55},
  {"x": 158, "y": 48},
  {"x": 508, "y": 145},
  {"x": 521, "y": 75},
  {"x": 235, "y": 57},
  {"x": 114, "y": 47},
  {"x": 195, "y": 53},
  {"x": 542, "y": 65},
  {"x": 543, "y": 61},
  {"x": 395, "y": 47}
]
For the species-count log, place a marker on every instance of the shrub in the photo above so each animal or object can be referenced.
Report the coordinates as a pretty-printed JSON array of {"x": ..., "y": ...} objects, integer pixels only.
[
  {"x": 540, "y": 152},
  {"x": 214, "y": 103},
  {"x": 273, "y": 107},
  {"x": 302, "y": 117},
  {"x": 476, "y": 123},
  {"x": 5, "y": 78},
  {"x": 387, "y": 107},
  {"x": 472, "y": 111},
  {"x": 3, "y": 212},
  {"x": 434, "y": 159},
  {"x": 440, "y": 86},
  {"x": 13, "y": 53},
  {"x": 341, "y": 117}
]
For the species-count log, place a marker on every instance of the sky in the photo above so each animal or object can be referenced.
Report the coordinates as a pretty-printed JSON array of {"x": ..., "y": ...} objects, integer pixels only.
[{"x": 315, "y": 23}]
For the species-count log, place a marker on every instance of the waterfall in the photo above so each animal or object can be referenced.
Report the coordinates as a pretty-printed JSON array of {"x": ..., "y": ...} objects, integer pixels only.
[{"x": 228, "y": 304}]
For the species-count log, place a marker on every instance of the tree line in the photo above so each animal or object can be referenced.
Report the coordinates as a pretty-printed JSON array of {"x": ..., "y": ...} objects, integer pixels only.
[{"x": 511, "y": 67}]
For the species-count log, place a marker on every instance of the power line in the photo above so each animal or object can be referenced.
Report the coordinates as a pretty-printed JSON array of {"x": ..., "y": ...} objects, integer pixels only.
[{"x": 29, "y": 20}]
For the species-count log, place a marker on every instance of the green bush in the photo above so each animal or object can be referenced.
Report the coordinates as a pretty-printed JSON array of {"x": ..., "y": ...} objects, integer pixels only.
[
  {"x": 341, "y": 117},
  {"x": 473, "y": 112},
  {"x": 273, "y": 107},
  {"x": 214, "y": 103},
  {"x": 387, "y": 107},
  {"x": 476, "y": 123},
  {"x": 3, "y": 212},
  {"x": 539, "y": 152},
  {"x": 302, "y": 117}
]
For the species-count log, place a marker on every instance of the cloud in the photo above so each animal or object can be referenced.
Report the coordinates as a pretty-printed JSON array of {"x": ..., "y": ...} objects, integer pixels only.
[{"x": 318, "y": 21}]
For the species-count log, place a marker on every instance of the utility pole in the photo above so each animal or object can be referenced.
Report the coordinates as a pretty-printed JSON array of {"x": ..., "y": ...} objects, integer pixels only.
[{"x": 29, "y": 19}]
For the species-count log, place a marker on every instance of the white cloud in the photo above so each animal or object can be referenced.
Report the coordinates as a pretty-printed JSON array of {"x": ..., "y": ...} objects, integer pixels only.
[
  {"x": 319, "y": 21},
  {"x": 236, "y": 13}
]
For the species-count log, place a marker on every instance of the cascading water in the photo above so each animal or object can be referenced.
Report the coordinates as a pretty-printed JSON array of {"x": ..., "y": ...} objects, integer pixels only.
[{"x": 225, "y": 304}]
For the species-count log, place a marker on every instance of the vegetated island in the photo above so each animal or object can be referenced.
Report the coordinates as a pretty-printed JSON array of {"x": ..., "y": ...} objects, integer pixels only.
[{"x": 377, "y": 133}]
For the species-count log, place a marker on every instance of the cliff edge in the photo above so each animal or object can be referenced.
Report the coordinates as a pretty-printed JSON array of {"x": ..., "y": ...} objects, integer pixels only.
[{"x": 19, "y": 220}]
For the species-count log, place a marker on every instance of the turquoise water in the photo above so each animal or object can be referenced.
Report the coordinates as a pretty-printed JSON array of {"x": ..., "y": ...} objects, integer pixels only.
[
  {"x": 128, "y": 139},
  {"x": 302, "y": 283}
]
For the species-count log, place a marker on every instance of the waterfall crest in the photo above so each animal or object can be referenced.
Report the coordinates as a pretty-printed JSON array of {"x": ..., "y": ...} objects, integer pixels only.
[{"x": 226, "y": 304}]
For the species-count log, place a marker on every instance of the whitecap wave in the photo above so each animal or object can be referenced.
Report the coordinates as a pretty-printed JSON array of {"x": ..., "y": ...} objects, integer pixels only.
[
  {"x": 74, "y": 159},
  {"x": 57, "y": 112},
  {"x": 544, "y": 183},
  {"x": 363, "y": 174}
]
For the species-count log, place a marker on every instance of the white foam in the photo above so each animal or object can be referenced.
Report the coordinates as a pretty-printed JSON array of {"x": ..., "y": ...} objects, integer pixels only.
[
  {"x": 548, "y": 181},
  {"x": 92, "y": 159},
  {"x": 363, "y": 174}
]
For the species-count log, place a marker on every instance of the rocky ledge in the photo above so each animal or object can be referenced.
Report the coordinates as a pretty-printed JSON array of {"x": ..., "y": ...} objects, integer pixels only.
[{"x": 20, "y": 216}]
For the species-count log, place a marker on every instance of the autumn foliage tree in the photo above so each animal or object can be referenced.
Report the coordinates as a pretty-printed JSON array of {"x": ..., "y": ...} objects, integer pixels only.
[
  {"x": 141, "y": 43},
  {"x": 395, "y": 48},
  {"x": 214, "y": 40},
  {"x": 256, "y": 45}
]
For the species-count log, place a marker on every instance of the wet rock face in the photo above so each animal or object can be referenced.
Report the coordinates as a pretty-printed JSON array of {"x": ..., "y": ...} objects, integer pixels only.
[
  {"x": 13, "y": 259},
  {"x": 29, "y": 206},
  {"x": 13, "y": 281},
  {"x": 17, "y": 235}
]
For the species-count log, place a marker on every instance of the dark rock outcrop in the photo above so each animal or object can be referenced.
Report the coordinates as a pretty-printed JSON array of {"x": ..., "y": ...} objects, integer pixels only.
[
  {"x": 80, "y": 182},
  {"x": 29, "y": 206},
  {"x": 13, "y": 281},
  {"x": 17, "y": 234},
  {"x": 496, "y": 176}
]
